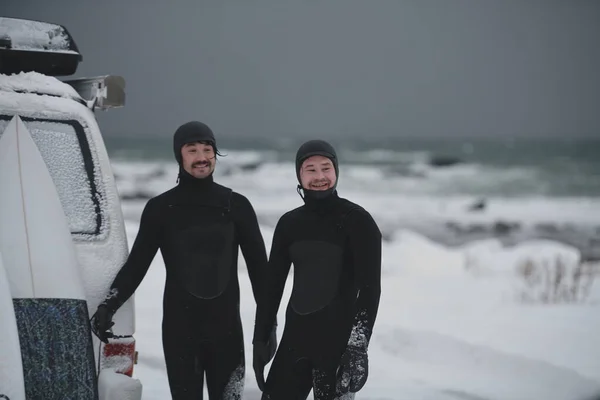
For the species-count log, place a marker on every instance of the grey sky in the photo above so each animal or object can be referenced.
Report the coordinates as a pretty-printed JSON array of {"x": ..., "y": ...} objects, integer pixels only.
[{"x": 355, "y": 67}]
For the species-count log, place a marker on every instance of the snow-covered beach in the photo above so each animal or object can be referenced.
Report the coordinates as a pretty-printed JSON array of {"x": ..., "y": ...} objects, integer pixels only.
[{"x": 479, "y": 320}]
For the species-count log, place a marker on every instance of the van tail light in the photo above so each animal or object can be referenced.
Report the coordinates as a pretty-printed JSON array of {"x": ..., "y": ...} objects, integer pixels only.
[{"x": 120, "y": 355}]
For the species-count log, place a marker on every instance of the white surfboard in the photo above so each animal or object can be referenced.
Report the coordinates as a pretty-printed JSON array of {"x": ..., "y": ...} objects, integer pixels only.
[
  {"x": 39, "y": 257},
  {"x": 35, "y": 241},
  {"x": 12, "y": 385}
]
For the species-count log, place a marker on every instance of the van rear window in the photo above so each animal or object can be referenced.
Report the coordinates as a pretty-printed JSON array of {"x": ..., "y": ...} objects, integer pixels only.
[{"x": 65, "y": 150}]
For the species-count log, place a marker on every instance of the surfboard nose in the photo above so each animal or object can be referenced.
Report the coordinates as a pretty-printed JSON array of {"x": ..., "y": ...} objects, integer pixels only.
[{"x": 35, "y": 239}]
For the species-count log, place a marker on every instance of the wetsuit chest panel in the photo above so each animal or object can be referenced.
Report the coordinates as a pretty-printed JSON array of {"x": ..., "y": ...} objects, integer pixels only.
[
  {"x": 201, "y": 242},
  {"x": 317, "y": 268}
]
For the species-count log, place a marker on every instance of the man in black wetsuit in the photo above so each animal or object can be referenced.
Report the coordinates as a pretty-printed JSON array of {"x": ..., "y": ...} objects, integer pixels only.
[
  {"x": 198, "y": 226},
  {"x": 335, "y": 246}
]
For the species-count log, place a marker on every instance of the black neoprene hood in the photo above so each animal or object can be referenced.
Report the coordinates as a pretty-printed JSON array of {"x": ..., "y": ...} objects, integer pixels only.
[
  {"x": 316, "y": 148},
  {"x": 191, "y": 132}
]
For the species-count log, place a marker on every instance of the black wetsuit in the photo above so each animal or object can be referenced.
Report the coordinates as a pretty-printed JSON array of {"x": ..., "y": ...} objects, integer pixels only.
[
  {"x": 198, "y": 226},
  {"x": 335, "y": 247}
]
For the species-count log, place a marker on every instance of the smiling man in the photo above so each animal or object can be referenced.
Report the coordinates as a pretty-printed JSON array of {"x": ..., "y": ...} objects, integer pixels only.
[
  {"x": 198, "y": 226},
  {"x": 335, "y": 247}
]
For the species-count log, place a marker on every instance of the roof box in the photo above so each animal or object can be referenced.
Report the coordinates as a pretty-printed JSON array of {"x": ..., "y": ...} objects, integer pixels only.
[{"x": 35, "y": 46}]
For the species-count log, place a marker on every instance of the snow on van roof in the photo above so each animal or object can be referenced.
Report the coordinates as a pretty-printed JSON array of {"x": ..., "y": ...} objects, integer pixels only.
[
  {"x": 33, "y": 82},
  {"x": 36, "y": 35}
]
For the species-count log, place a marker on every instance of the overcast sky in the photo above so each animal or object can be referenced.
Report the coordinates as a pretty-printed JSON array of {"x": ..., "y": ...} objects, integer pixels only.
[{"x": 356, "y": 67}]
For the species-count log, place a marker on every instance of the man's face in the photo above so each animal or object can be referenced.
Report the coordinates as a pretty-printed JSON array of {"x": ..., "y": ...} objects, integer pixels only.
[
  {"x": 198, "y": 159},
  {"x": 317, "y": 173}
]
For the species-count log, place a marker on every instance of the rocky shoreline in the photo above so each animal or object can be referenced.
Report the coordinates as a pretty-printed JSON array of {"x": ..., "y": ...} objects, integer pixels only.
[
  {"x": 510, "y": 233},
  {"x": 453, "y": 233},
  {"x": 449, "y": 232}
]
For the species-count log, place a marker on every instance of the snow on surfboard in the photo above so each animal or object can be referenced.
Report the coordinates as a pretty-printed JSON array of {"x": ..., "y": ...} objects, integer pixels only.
[{"x": 40, "y": 262}]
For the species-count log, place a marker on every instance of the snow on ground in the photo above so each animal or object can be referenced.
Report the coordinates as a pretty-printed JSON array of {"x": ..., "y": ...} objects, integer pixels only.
[{"x": 443, "y": 332}]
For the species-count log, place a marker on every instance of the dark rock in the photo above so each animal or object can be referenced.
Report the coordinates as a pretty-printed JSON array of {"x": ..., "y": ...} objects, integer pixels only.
[
  {"x": 570, "y": 227},
  {"x": 137, "y": 195},
  {"x": 405, "y": 171},
  {"x": 498, "y": 228},
  {"x": 547, "y": 228},
  {"x": 478, "y": 205},
  {"x": 476, "y": 228},
  {"x": 504, "y": 228},
  {"x": 444, "y": 161},
  {"x": 454, "y": 233},
  {"x": 250, "y": 166},
  {"x": 453, "y": 226}
]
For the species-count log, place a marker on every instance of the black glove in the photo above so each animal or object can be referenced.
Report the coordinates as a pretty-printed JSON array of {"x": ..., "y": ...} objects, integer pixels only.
[
  {"x": 102, "y": 322},
  {"x": 353, "y": 370},
  {"x": 262, "y": 354}
]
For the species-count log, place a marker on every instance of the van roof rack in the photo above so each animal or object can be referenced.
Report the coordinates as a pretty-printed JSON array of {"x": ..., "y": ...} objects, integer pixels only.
[{"x": 28, "y": 45}]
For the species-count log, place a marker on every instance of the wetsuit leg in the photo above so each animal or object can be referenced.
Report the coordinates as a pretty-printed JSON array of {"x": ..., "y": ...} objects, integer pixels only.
[
  {"x": 324, "y": 384},
  {"x": 224, "y": 363},
  {"x": 290, "y": 377},
  {"x": 181, "y": 357}
]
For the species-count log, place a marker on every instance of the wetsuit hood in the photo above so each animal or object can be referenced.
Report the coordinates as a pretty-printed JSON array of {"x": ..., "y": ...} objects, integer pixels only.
[
  {"x": 191, "y": 132},
  {"x": 311, "y": 148}
]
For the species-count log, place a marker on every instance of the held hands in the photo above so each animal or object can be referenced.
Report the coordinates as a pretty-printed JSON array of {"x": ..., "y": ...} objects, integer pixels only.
[
  {"x": 102, "y": 322},
  {"x": 272, "y": 344},
  {"x": 353, "y": 370},
  {"x": 262, "y": 354}
]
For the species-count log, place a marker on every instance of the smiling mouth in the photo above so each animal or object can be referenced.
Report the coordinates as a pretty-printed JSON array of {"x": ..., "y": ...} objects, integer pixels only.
[{"x": 319, "y": 186}]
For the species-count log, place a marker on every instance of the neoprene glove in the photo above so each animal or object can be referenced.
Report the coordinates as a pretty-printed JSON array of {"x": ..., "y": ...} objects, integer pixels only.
[
  {"x": 353, "y": 370},
  {"x": 262, "y": 354},
  {"x": 102, "y": 322}
]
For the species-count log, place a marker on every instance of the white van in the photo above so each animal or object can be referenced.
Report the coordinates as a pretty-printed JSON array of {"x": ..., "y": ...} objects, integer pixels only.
[{"x": 60, "y": 117}]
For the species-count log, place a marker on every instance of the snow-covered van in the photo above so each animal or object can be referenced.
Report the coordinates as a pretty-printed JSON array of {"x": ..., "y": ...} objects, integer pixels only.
[{"x": 60, "y": 116}]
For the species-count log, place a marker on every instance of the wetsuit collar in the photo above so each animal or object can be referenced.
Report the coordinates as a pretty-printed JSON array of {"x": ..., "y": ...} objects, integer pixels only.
[
  {"x": 317, "y": 200},
  {"x": 187, "y": 180}
]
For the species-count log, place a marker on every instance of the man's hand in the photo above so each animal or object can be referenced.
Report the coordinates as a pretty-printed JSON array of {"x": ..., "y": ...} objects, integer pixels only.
[
  {"x": 102, "y": 322},
  {"x": 272, "y": 344},
  {"x": 263, "y": 353},
  {"x": 353, "y": 370}
]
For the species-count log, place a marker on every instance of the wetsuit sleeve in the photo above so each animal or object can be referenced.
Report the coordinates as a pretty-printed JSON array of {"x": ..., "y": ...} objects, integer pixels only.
[
  {"x": 251, "y": 243},
  {"x": 277, "y": 272},
  {"x": 365, "y": 240},
  {"x": 142, "y": 253}
]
